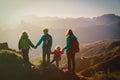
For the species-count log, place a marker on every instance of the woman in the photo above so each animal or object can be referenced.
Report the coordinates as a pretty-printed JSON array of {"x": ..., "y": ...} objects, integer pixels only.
[
  {"x": 24, "y": 45},
  {"x": 70, "y": 50}
]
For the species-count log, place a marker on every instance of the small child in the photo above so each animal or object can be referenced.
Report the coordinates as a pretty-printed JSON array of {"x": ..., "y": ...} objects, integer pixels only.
[{"x": 57, "y": 55}]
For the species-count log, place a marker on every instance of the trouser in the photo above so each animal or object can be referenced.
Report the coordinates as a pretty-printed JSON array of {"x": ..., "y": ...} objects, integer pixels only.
[
  {"x": 57, "y": 62},
  {"x": 71, "y": 61},
  {"x": 25, "y": 56},
  {"x": 46, "y": 52}
]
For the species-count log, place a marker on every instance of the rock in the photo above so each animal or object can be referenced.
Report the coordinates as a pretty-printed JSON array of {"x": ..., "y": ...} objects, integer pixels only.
[{"x": 4, "y": 45}]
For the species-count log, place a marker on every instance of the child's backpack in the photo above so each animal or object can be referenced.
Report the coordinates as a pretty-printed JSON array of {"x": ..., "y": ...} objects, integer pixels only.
[
  {"x": 48, "y": 40},
  {"x": 74, "y": 45}
]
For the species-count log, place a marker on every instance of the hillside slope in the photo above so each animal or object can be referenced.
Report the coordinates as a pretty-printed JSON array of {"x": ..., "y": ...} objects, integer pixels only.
[
  {"x": 103, "y": 56},
  {"x": 12, "y": 68},
  {"x": 98, "y": 47}
]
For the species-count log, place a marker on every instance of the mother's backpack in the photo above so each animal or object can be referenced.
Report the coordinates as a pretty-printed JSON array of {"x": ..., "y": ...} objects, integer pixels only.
[{"x": 74, "y": 44}]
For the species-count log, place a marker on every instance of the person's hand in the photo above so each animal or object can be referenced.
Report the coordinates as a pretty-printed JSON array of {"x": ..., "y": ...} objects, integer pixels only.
[
  {"x": 35, "y": 47},
  {"x": 62, "y": 52}
]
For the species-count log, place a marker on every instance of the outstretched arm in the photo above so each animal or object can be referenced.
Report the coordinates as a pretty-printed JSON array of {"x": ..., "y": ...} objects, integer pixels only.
[
  {"x": 62, "y": 52},
  {"x": 31, "y": 44},
  {"x": 67, "y": 44},
  {"x": 40, "y": 41},
  {"x": 52, "y": 52}
]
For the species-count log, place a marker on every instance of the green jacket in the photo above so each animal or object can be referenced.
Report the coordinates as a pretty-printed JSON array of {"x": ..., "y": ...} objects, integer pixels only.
[{"x": 25, "y": 43}]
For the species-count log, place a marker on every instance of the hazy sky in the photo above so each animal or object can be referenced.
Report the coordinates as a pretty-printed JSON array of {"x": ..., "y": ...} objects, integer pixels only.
[{"x": 15, "y": 10}]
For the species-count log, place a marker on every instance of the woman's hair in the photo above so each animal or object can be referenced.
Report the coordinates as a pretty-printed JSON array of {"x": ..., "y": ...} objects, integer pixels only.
[{"x": 69, "y": 32}]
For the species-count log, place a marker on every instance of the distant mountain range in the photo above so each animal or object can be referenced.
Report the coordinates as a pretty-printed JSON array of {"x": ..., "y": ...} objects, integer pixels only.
[
  {"x": 87, "y": 30},
  {"x": 56, "y": 22},
  {"x": 102, "y": 27}
]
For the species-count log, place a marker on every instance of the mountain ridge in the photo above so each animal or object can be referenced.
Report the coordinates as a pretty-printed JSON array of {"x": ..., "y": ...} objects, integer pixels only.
[
  {"x": 102, "y": 56},
  {"x": 99, "y": 46}
]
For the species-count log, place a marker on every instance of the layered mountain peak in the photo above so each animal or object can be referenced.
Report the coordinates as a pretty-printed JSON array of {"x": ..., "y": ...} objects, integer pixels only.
[{"x": 107, "y": 19}]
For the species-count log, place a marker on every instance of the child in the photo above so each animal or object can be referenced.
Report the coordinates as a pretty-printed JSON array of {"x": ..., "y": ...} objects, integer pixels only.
[
  {"x": 24, "y": 45},
  {"x": 57, "y": 55}
]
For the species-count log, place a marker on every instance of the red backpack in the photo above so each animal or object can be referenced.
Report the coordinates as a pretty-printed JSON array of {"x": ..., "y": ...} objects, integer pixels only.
[{"x": 74, "y": 45}]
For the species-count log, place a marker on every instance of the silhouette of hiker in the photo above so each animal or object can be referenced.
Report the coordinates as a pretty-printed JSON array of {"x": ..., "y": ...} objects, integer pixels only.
[
  {"x": 24, "y": 45},
  {"x": 57, "y": 55},
  {"x": 71, "y": 48},
  {"x": 46, "y": 47}
]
